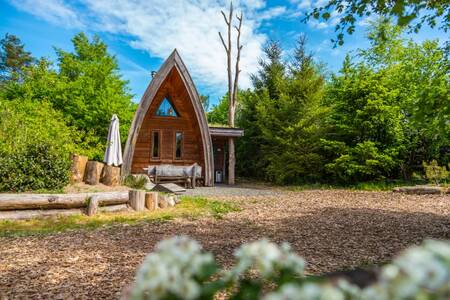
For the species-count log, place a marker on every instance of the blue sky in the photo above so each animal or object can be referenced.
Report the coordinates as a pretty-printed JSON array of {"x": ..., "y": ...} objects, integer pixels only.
[{"x": 142, "y": 33}]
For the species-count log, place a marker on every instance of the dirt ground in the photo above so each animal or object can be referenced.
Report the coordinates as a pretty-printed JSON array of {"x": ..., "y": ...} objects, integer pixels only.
[{"x": 332, "y": 229}]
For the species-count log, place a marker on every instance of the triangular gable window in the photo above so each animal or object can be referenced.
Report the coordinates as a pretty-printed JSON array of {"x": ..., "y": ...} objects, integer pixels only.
[{"x": 166, "y": 109}]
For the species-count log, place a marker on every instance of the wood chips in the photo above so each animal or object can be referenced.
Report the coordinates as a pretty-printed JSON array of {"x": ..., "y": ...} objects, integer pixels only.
[{"x": 332, "y": 229}]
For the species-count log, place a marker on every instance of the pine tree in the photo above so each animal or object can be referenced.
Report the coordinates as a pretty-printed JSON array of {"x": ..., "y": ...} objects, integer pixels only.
[{"x": 13, "y": 58}]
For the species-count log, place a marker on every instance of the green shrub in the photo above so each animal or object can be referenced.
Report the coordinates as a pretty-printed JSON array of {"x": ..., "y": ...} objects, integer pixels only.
[
  {"x": 35, "y": 145},
  {"x": 135, "y": 182},
  {"x": 435, "y": 173},
  {"x": 363, "y": 162},
  {"x": 39, "y": 167}
]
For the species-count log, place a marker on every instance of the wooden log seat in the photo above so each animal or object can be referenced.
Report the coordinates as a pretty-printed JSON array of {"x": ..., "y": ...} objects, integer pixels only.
[{"x": 190, "y": 176}]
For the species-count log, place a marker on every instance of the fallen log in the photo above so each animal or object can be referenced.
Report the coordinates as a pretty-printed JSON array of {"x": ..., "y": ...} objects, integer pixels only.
[
  {"x": 420, "y": 190},
  {"x": 39, "y": 213},
  {"x": 53, "y": 201}
]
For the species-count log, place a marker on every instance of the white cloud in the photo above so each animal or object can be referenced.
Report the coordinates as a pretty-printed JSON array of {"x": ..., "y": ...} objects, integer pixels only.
[
  {"x": 54, "y": 11},
  {"x": 158, "y": 27},
  {"x": 190, "y": 26}
]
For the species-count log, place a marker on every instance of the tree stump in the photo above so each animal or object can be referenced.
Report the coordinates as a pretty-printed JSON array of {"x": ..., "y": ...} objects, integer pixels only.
[
  {"x": 151, "y": 200},
  {"x": 110, "y": 175},
  {"x": 162, "y": 201},
  {"x": 137, "y": 199},
  {"x": 93, "y": 172},
  {"x": 93, "y": 206},
  {"x": 78, "y": 168}
]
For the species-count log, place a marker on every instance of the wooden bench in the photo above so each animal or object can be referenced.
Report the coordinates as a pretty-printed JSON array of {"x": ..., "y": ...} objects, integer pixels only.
[{"x": 189, "y": 176}]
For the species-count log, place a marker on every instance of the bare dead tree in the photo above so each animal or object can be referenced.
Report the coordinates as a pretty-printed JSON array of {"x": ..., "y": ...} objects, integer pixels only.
[{"x": 232, "y": 86}]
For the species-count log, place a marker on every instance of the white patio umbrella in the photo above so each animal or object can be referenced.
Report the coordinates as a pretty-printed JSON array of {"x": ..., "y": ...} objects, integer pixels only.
[{"x": 113, "y": 152}]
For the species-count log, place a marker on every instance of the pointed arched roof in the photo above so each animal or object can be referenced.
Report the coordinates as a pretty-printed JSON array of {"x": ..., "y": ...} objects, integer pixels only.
[{"x": 173, "y": 61}]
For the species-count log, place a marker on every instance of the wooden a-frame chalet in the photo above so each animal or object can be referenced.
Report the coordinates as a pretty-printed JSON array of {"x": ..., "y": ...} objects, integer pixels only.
[{"x": 170, "y": 127}]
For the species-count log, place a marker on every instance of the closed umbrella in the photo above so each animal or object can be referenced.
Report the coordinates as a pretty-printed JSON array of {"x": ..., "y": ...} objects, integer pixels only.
[{"x": 113, "y": 152}]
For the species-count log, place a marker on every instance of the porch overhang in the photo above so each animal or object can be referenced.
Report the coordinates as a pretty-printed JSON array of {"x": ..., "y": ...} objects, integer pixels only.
[{"x": 225, "y": 132}]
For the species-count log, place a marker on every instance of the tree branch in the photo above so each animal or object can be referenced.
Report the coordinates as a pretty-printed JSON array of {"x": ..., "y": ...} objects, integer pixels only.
[
  {"x": 223, "y": 42},
  {"x": 238, "y": 58}
]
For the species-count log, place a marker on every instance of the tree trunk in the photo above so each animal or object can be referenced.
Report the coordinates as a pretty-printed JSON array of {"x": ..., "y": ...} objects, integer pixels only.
[
  {"x": 110, "y": 175},
  {"x": 52, "y": 201},
  {"x": 231, "y": 161},
  {"x": 137, "y": 200},
  {"x": 93, "y": 172},
  {"x": 151, "y": 200},
  {"x": 78, "y": 168}
]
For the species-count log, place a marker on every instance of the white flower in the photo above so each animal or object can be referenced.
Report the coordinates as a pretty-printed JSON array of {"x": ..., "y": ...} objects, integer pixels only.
[
  {"x": 423, "y": 270},
  {"x": 308, "y": 291},
  {"x": 170, "y": 270},
  {"x": 266, "y": 257}
]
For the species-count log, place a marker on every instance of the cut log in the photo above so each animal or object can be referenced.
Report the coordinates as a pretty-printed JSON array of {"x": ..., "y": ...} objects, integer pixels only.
[
  {"x": 137, "y": 200},
  {"x": 110, "y": 175},
  {"x": 114, "y": 208},
  {"x": 78, "y": 168},
  {"x": 162, "y": 201},
  {"x": 93, "y": 172},
  {"x": 37, "y": 213},
  {"x": 93, "y": 206},
  {"x": 52, "y": 201},
  {"x": 151, "y": 200},
  {"x": 420, "y": 190}
]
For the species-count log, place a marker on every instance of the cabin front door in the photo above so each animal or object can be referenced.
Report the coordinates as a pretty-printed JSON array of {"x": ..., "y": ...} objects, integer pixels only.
[{"x": 220, "y": 162}]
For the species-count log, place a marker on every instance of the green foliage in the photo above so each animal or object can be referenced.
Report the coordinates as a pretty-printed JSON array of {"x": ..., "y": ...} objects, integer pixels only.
[
  {"x": 376, "y": 128},
  {"x": 86, "y": 87},
  {"x": 379, "y": 118},
  {"x": 135, "y": 182},
  {"x": 13, "y": 58},
  {"x": 410, "y": 14},
  {"x": 35, "y": 144},
  {"x": 219, "y": 112},
  {"x": 435, "y": 173},
  {"x": 283, "y": 117}
]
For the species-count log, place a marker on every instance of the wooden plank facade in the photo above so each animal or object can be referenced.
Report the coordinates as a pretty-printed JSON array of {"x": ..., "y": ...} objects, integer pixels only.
[{"x": 170, "y": 126}]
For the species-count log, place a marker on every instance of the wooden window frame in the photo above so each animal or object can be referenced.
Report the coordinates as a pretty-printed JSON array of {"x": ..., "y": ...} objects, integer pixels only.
[
  {"x": 152, "y": 145},
  {"x": 175, "y": 145},
  {"x": 169, "y": 99}
]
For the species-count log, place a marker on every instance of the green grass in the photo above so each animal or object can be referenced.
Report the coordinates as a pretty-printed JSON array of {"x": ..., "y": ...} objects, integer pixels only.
[
  {"x": 362, "y": 186},
  {"x": 189, "y": 207}
]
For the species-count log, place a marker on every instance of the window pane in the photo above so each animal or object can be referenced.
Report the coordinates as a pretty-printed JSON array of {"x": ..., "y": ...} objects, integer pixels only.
[
  {"x": 166, "y": 109},
  {"x": 155, "y": 144},
  {"x": 178, "y": 144}
]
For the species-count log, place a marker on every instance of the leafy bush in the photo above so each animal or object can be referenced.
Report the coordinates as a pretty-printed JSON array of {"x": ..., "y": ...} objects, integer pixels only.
[
  {"x": 35, "y": 145},
  {"x": 180, "y": 269},
  {"x": 435, "y": 173},
  {"x": 38, "y": 167},
  {"x": 361, "y": 163}
]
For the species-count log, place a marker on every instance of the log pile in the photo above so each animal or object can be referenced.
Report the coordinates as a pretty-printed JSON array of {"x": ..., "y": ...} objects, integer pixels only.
[
  {"x": 93, "y": 172},
  {"x": 26, "y": 206}
]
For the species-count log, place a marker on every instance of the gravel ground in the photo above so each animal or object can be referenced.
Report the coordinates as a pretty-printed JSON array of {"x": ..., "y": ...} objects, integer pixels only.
[
  {"x": 332, "y": 229},
  {"x": 226, "y": 190}
]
